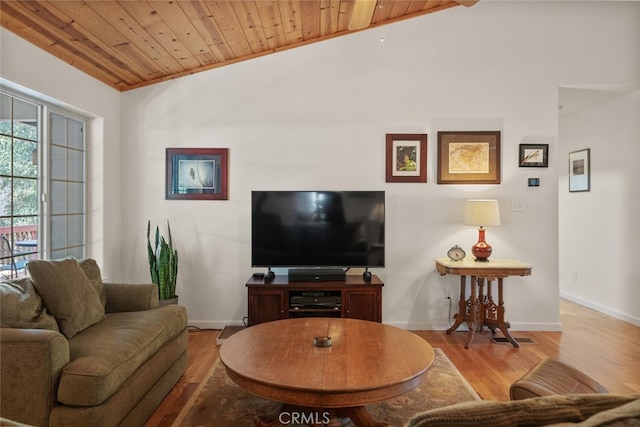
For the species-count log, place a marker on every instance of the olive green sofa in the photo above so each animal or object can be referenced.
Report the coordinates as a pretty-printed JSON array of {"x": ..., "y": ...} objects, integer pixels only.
[
  {"x": 576, "y": 410},
  {"x": 77, "y": 352}
]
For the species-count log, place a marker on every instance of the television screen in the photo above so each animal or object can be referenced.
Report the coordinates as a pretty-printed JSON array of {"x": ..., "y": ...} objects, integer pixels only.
[{"x": 317, "y": 228}]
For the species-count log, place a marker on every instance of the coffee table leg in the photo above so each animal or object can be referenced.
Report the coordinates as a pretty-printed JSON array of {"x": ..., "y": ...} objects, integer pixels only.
[
  {"x": 286, "y": 414},
  {"x": 360, "y": 416},
  {"x": 270, "y": 419}
]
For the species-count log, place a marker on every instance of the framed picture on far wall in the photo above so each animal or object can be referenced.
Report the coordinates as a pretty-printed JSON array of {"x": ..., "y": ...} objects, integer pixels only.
[
  {"x": 196, "y": 173},
  {"x": 534, "y": 155},
  {"x": 580, "y": 171},
  {"x": 406, "y": 158}
]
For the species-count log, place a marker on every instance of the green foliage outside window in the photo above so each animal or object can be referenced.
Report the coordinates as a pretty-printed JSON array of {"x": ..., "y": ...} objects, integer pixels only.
[{"x": 18, "y": 174}]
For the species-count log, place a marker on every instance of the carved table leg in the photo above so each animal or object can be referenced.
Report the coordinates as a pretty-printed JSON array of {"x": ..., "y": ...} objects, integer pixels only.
[
  {"x": 489, "y": 318},
  {"x": 482, "y": 303},
  {"x": 473, "y": 314},
  {"x": 500, "y": 314}
]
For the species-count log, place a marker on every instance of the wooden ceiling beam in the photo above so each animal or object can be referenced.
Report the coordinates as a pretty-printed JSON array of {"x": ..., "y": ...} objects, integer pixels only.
[
  {"x": 466, "y": 3},
  {"x": 362, "y": 14}
]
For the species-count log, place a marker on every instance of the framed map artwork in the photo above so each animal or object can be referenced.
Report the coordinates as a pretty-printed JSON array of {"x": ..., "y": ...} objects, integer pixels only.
[{"x": 469, "y": 157}]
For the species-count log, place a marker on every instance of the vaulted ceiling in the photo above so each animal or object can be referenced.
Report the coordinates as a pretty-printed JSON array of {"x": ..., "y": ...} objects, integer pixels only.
[{"x": 133, "y": 43}]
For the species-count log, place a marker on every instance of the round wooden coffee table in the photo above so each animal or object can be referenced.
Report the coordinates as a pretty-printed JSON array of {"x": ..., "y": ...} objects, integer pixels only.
[{"x": 367, "y": 362}]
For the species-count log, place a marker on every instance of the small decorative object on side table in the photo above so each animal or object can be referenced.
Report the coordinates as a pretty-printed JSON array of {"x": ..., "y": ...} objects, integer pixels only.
[{"x": 456, "y": 253}]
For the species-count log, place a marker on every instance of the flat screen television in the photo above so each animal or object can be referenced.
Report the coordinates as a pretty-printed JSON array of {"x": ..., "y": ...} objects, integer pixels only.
[{"x": 317, "y": 228}]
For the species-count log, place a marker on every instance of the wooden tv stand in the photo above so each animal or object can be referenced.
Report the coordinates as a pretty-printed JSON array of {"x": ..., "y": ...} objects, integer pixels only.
[{"x": 272, "y": 301}]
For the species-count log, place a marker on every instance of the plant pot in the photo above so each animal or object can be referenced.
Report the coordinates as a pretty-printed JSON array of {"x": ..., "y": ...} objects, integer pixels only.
[{"x": 169, "y": 301}]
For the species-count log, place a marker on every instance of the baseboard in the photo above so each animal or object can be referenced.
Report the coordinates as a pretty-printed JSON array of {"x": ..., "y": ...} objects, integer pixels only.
[
  {"x": 601, "y": 308},
  {"x": 214, "y": 324},
  {"x": 411, "y": 326},
  {"x": 515, "y": 326},
  {"x": 536, "y": 326},
  {"x": 227, "y": 332}
]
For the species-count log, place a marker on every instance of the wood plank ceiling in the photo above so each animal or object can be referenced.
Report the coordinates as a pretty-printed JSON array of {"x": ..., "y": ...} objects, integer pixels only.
[{"x": 133, "y": 43}]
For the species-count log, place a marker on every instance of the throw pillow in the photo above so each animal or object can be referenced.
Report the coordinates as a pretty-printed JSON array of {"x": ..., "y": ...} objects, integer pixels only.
[
  {"x": 21, "y": 307},
  {"x": 91, "y": 269},
  {"x": 67, "y": 293}
]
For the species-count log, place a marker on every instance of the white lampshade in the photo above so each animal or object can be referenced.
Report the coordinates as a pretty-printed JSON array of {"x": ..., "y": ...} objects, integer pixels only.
[{"x": 482, "y": 213}]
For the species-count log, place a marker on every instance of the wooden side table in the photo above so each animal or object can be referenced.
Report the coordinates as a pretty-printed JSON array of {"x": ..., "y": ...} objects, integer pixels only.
[{"x": 480, "y": 310}]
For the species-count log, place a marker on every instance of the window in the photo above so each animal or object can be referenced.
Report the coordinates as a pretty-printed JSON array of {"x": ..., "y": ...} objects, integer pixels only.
[
  {"x": 66, "y": 186},
  {"x": 42, "y": 183},
  {"x": 19, "y": 205}
]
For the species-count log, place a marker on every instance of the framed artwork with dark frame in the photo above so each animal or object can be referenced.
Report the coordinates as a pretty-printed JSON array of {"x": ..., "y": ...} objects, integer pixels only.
[
  {"x": 469, "y": 157},
  {"x": 406, "y": 157},
  {"x": 580, "y": 170},
  {"x": 197, "y": 173},
  {"x": 534, "y": 155}
]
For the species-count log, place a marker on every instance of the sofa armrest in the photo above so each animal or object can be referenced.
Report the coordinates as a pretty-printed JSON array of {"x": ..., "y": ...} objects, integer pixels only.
[
  {"x": 131, "y": 297},
  {"x": 31, "y": 363},
  {"x": 550, "y": 377}
]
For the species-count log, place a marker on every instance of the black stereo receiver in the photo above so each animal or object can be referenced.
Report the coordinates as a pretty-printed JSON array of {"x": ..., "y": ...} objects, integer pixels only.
[{"x": 310, "y": 300}]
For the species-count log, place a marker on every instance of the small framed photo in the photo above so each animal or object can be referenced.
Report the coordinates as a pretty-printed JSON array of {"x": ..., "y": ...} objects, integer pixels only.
[
  {"x": 196, "y": 173},
  {"x": 534, "y": 155},
  {"x": 469, "y": 157},
  {"x": 406, "y": 158},
  {"x": 580, "y": 171}
]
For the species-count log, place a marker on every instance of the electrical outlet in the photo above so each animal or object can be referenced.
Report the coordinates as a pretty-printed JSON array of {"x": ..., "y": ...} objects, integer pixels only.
[{"x": 574, "y": 275}]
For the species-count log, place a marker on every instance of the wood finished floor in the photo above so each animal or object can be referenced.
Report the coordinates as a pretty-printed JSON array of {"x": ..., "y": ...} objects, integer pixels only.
[{"x": 605, "y": 348}]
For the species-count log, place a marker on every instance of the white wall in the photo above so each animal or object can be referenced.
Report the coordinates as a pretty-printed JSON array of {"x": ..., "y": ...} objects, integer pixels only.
[
  {"x": 31, "y": 71},
  {"x": 316, "y": 117},
  {"x": 599, "y": 230}
]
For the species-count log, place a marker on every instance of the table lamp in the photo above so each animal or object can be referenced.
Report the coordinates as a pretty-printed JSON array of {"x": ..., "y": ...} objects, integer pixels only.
[{"x": 482, "y": 213}]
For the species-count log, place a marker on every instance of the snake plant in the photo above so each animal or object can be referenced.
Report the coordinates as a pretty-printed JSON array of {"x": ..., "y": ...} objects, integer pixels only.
[{"x": 163, "y": 263}]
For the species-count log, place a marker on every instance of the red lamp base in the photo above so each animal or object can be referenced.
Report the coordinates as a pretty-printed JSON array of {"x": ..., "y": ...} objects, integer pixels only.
[{"x": 481, "y": 250}]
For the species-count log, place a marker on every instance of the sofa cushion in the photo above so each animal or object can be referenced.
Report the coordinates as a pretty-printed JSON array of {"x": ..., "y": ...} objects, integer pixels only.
[
  {"x": 92, "y": 270},
  {"x": 537, "y": 411},
  {"x": 21, "y": 306},
  {"x": 105, "y": 355},
  {"x": 67, "y": 293}
]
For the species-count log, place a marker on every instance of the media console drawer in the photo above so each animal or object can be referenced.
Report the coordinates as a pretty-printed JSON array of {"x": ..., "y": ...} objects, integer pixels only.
[{"x": 281, "y": 299}]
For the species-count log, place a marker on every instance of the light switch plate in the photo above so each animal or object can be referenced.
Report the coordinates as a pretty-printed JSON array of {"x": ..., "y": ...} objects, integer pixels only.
[{"x": 517, "y": 206}]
